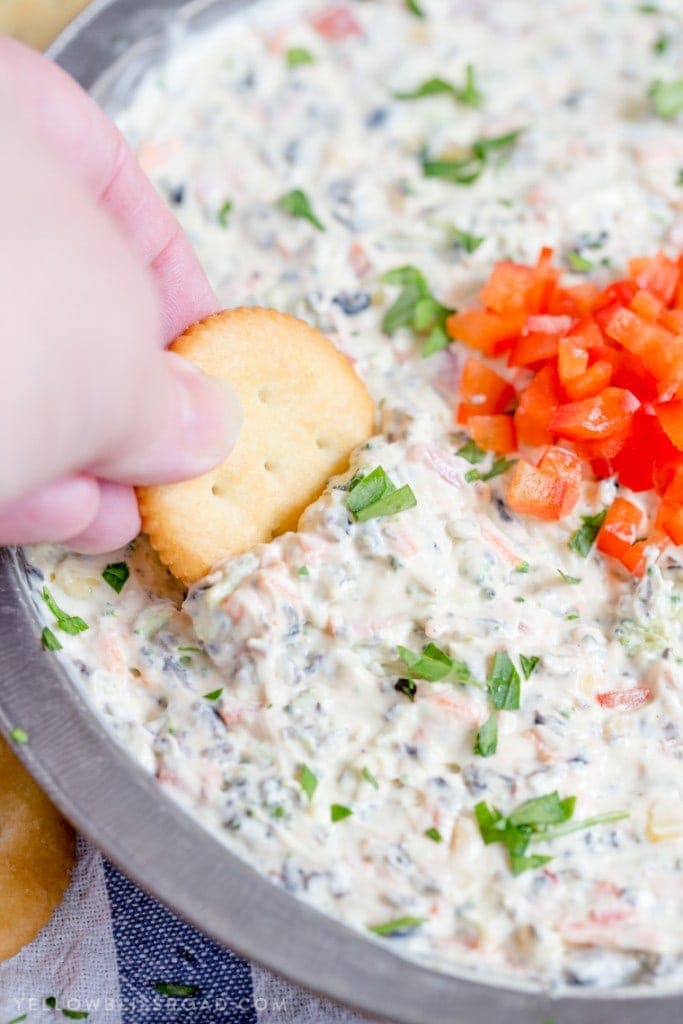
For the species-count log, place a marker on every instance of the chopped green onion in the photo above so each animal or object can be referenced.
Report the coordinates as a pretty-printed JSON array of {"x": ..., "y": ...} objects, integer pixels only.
[
  {"x": 374, "y": 495},
  {"x": 468, "y": 94},
  {"x": 224, "y": 213},
  {"x": 470, "y": 243},
  {"x": 415, "y": 8},
  {"x": 116, "y": 575},
  {"x": 49, "y": 640},
  {"x": 369, "y": 777},
  {"x": 297, "y": 204},
  {"x": 434, "y": 665},
  {"x": 75, "y": 1014},
  {"x": 528, "y": 664},
  {"x": 214, "y": 695},
  {"x": 302, "y": 571},
  {"x": 338, "y": 812},
  {"x": 19, "y": 735},
  {"x": 416, "y": 308},
  {"x": 578, "y": 262},
  {"x": 522, "y": 567},
  {"x": 661, "y": 44},
  {"x": 500, "y": 466},
  {"x": 399, "y": 926},
  {"x": 569, "y": 579},
  {"x": 471, "y": 452},
  {"x": 543, "y": 810},
  {"x": 176, "y": 990},
  {"x": 297, "y": 56},
  {"x": 434, "y": 835},
  {"x": 308, "y": 781},
  {"x": 71, "y": 624},
  {"x": 667, "y": 98},
  {"x": 51, "y": 1002}
]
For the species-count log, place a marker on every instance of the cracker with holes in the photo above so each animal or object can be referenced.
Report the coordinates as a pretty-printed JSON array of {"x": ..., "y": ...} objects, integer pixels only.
[
  {"x": 36, "y": 856},
  {"x": 305, "y": 410}
]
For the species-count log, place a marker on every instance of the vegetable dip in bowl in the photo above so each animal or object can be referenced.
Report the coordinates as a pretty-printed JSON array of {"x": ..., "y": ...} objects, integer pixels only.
[{"x": 456, "y": 729}]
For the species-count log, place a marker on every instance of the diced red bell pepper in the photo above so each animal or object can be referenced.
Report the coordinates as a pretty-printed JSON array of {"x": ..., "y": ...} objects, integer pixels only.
[
  {"x": 572, "y": 359},
  {"x": 636, "y": 334},
  {"x": 625, "y": 700},
  {"x": 595, "y": 418},
  {"x": 656, "y": 274},
  {"x": 648, "y": 306},
  {"x": 620, "y": 529},
  {"x": 672, "y": 319},
  {"x": 566, "y": 465},
  {"x": 483, "y": 330},
  {"x": 537, "y": 405},
  {"x": 535, "y": 493},
  {"x": 483, "y": 391},
  {"x": 645, "y": 451},
  {"x": 629, "y": 373},
  {"x": 616, "y": 295},
  {"x": 670, "y": 520},
  {"x": 336, "y": 23},
  {"x": 534, "y": 349},
  {"x": 592, "y": 382},
  {"x": 575, "y": 301},
  {"x": 493, "y": 433},
  {"x": 514, "y": 288},
  {"x": 670, "y": 416}
]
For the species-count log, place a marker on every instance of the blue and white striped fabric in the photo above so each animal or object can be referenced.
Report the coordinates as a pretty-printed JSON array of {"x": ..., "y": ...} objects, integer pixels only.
[{"x": 115, "y": 954}]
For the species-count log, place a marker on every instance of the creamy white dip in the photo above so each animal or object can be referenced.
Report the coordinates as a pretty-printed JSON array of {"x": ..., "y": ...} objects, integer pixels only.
[{"x": 296, "y": 642}]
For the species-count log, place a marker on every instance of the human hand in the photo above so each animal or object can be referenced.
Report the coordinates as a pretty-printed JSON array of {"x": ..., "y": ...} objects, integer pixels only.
[{"x": 96, "y": 278}]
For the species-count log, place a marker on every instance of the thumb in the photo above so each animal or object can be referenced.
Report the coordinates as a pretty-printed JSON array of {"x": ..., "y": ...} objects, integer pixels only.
[{"x": 183, "y": 425}]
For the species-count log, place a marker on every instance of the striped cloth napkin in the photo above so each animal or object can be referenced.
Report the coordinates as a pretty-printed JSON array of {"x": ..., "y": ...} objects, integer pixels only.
[{"x": 112, "y": 955}]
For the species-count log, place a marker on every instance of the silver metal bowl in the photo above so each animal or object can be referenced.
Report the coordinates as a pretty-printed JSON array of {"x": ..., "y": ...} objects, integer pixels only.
[{"x": 122, "y": 810}]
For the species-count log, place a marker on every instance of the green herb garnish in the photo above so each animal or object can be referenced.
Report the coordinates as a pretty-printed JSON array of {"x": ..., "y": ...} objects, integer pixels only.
[
  {"x": 486, "y": 742},
  {"x": 176, "y": 990},
  {"x": 582, "y": 540},
  {"x": 522, "y": 567},
  {"x": 472, "y": 453},
  {"x": 416, "y": 308},
  {"x": 434, "y": 835},
  {"x": 72, "y": 624},
  {"x": 399, "y": 926},
  {"x": 214, "y": 695},
  {"x": 18, "y": 1020},
  {"x": 297, "y": 204},
  {"x": 369, "y": 777},
  {"x": 302, "y": 571},
  {"x": 308, "y": 781},
  {"x": 528, "y": 664},
  {"x": 415, "y": 8},
  {"x": 569, "y": 579},
  {"x": 75, "y": 1014},
  {"x": 406, "y": 687},
  {"x": 578, "y": 262},
  {"x": 499, "y": 466},
  {"x": 297, "y": 56},
  {"x": 374, "y": 495},
  {"x": 116, "y": 575},
  {"x": 667, "y": 97},
  {"x": 49, "y": 640},
  {"x": 470, "y": 243},
  {"x": 338, "y": 812},
  {"x": 51, "y": 1002},
  {"x": 661, "y": 44},
  {"x": 538, "y": 820},
  {"x": 504, "y": 684},
  {"x": 469, "y": 168},
  {"x": 467, "y": 94},
  {"x": 224, "y": 213},
  {"x": 19, "y": 735},
  {"x": 434, "y": 665}
]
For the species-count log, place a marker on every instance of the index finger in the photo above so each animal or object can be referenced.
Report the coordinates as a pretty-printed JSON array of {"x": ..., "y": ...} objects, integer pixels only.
[{"x": 72, "y": 123}]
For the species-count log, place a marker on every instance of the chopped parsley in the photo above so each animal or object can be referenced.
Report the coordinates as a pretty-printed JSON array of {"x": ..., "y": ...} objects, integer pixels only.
[
  {"x": 463, "y": 239},
  {"x": 338, "y": 812},
  {"x": 504, "y": 684},
  {"x": 308, "y": 781},
  {"x": 579, "y": 263},
  {"x": 374, "y": 495},
  {"x": 467, "y": 94},
  {"x": 18, "y": 1020},
  {"x": 224, "y": 212},
  {"x": 417, "y": 309},
  {"x": 569, "y": 579},
  {"x": 522, "y": 567},
  {"x": 499, "y": 466},
  {"x": 582, "y": 540},
  {"x": 407, "y": 687},
  {"x": 297, "y": 56},
  {"x": 434, "y": 835},
  {"x": 297, "y": 204},
  {"x": 399, "y": 926},
  {"x": 176, "y": 990},
  {"x": 415, "y": 8},
  {"x": 667, "y": 97},
  {"x": 472, "y": 453},
  {"x": 486, "y": 742},
  {"x": 72, "y": 624},
  {"x": 214, "y": 695},
  {"x": 116, "y": 575},
  {"x": 369, "y": 777},
  {"x": 19, "y": 735},
  {"x": 467, "y": 169},
  {"x": 49, "y": 640},
  {"x": 528, "y": 663},
  {"x": 661, "y": 44},
  {"x": 302, "y": 571},
  {"x": 75, "y": 1014},
  {"x": 434, "y": 665},
  {"x": 540, "y": 819}
]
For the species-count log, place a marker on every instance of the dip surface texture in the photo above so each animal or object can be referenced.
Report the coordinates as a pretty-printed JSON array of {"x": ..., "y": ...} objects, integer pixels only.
[{"x": 273, "y": 699}]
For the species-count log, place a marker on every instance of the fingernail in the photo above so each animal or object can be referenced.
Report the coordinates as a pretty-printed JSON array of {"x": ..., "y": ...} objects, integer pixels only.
[{"x": 210, "y": 413}]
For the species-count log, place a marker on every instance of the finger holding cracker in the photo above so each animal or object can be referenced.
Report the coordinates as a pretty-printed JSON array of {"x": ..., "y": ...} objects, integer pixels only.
[
  {"x": 36, "y": 856},
  {"x": 305, "y": 410}
]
